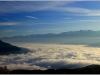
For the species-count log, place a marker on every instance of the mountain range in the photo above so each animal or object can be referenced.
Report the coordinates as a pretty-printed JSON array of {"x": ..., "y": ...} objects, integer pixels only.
[{"x": 67, "y": 34}]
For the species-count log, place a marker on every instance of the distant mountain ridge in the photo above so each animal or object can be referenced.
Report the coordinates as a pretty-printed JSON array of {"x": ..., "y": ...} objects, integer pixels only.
[
  {"x": 84, "y": 37},
  {"x": 67, "y": 34}
]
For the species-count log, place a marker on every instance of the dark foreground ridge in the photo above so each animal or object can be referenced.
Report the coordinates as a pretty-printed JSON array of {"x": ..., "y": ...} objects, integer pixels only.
[
  {"x": 6, "y": 49},
  {"x": 91, "y": 69}
]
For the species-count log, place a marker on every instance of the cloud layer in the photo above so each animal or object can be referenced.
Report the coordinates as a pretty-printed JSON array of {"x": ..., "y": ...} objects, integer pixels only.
[
  {"x": 31, "y": 17},
  {"x": 31, "y": 6},
  {"x": 8, "y": 23},
  {"x": 43, "y": 56}
]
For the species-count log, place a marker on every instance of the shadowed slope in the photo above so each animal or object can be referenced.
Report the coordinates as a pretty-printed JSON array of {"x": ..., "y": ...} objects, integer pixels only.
[{"x": 6, "y": 48}]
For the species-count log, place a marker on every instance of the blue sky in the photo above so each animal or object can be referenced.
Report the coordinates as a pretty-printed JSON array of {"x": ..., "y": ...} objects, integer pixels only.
[{"x": 39, "y": 17}]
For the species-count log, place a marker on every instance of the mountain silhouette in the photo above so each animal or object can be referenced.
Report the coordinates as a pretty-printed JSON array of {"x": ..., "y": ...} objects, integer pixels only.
[
  {"x": 6, "y": 48},
  {"x": 90, "y": 69}
]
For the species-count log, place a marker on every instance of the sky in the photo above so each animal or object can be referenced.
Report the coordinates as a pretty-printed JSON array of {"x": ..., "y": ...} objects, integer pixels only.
[{"x": 40, "y": 17}]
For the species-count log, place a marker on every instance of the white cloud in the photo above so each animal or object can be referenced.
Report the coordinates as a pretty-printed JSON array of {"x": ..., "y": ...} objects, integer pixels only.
[
  {"x": 11, "y": 7},
  {"x": 52, "y": 55},
  {"x": 31, "y": 17},
  {"x": 9, "y": 30},
  {"x": 28, "y": 23},
  {"x": 5, "y": 19},
  {"x": 91, "y": 22},
  {"x": 8, "y": 23},
  {"x": 78, "y": 11},
  {"x": 67, "y": 18},
  {"x": 30, "y": 31},
  {"x": 24, "y": 66}
]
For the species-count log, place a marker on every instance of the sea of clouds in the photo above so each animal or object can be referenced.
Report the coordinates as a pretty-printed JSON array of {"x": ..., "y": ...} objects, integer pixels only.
[{"x": 56, "y": 56}]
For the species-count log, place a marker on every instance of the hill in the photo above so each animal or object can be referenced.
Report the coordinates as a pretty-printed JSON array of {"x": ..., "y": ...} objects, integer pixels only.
[
  {"x": 6, "y": 48},
  {"x": 91, "y": 69}
]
